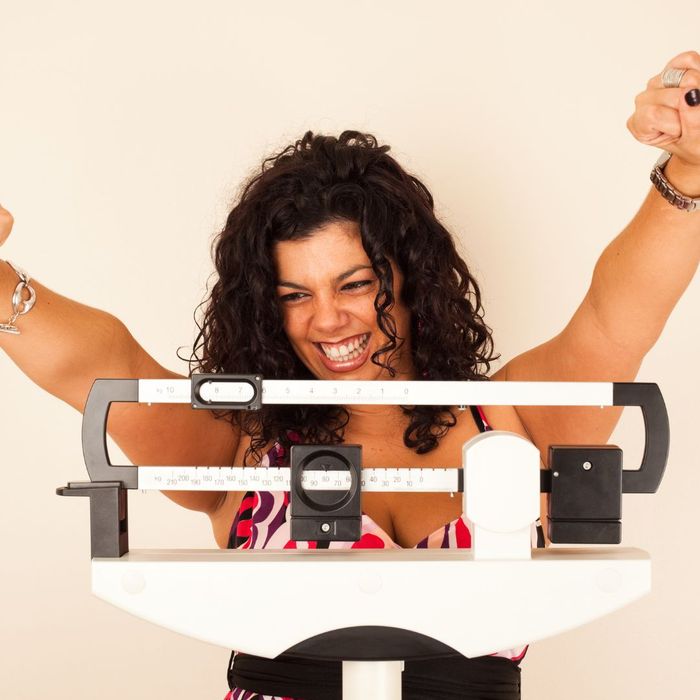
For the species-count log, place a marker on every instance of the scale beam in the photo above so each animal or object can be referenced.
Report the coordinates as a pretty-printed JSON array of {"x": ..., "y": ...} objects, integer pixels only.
[
  {"x": 202, "y": 390},
  {"x": 236, "y": 392},
  {"x": 382, "y": 479}
]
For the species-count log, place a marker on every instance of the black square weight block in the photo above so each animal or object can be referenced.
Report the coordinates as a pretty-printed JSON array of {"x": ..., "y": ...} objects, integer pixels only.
[{"x": 585, "y": 504}]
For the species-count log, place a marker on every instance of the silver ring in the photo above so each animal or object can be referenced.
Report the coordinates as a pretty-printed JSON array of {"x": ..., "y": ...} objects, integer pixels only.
[{"x": 671, "y": 77}]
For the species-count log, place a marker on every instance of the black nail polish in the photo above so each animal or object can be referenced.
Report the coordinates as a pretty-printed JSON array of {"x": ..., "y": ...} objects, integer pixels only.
[{"x": 692, "y": 97}]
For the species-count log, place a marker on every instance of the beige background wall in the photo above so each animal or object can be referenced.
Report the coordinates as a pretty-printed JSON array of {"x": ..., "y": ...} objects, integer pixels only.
[{"x": 125, "y": 130}]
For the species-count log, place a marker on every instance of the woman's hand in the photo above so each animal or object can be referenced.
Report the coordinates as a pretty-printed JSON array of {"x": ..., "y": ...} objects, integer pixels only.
[
  {"x": 663, "y": 117},
  {"x": 6, "y": 222}
]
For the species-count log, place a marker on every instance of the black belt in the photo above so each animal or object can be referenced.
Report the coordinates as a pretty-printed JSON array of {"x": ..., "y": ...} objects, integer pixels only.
[{"x": 447, "y": 678}]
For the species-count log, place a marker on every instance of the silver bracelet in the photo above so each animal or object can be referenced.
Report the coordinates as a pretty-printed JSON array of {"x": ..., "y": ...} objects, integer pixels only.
[
  {"x": 667, "y": 190},
  {"x": 19, "y": 306}
]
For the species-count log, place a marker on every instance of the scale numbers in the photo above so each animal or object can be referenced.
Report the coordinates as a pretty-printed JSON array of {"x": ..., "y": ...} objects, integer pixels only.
[
  {"x": 232, "y": 388},
  {"x": 389, "y": 479}
]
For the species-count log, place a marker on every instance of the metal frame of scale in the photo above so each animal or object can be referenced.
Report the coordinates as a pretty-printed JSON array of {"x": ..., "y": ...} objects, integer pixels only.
[{"x": 360, "y": 597}]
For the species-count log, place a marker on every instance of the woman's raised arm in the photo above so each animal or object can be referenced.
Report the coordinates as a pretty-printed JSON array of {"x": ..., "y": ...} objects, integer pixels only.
[
  {"x": 637, "y": 280},
  {"x": 63, "y": 346}
]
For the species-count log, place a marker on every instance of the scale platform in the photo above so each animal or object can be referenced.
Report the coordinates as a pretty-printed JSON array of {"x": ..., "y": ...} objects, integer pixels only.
[{"x": 482, "y": 606}]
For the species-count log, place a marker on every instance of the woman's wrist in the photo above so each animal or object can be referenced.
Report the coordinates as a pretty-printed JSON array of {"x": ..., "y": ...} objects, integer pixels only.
[
  {"x": 683, "y": 176},
  {"x": 21, "y": 297},
  {"x": 8, "y": 282}
]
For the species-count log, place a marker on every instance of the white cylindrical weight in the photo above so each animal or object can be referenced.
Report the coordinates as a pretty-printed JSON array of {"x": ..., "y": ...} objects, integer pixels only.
[{"x": 501, "y": 493}]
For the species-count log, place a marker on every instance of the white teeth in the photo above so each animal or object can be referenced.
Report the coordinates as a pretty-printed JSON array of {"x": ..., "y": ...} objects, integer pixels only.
[{"x": 345, "y": 352}]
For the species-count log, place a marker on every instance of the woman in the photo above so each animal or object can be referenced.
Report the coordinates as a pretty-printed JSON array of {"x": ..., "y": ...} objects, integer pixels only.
[{"x": 333, "y": 266}]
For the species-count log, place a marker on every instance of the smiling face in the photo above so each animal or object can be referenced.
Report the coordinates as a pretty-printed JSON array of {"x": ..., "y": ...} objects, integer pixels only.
[{"x": 326, "y": 289}]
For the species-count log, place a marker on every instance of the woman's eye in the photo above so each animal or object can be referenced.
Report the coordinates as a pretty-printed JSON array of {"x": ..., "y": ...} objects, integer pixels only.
[
  {"x": 291, "y": 298},
  {"x": 357, "y": 285}
]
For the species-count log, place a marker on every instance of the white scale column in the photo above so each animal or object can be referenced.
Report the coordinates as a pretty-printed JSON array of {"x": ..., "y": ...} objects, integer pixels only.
[{"x": 372, "y": 680}]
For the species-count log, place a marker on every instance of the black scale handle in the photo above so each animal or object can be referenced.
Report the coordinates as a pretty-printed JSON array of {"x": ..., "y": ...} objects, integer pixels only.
[{"x": 657, "y": 435}]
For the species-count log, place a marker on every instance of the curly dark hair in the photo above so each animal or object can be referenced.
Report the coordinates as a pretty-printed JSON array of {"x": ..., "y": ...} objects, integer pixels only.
[{"x": 318, "y": 180}]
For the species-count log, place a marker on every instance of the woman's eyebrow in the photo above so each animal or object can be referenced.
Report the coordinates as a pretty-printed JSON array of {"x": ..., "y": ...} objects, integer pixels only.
[
  {"x": 339, "y": 278},
  {"x": 352, "y": 271}
]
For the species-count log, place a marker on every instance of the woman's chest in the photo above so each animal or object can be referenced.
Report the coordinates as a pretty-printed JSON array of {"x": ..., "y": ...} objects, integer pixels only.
[{"x": 408, "y": 517}]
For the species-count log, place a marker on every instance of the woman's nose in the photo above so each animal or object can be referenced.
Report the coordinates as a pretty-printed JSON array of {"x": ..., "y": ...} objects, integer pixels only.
[{"x": 328, "y": 316}]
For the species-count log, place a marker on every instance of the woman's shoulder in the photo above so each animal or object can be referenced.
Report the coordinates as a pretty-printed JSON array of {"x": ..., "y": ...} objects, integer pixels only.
[
  {"x": 504, "y": 418},
  {"x": 485, "y": 418},
  {"x": 244, "y": 448}
]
